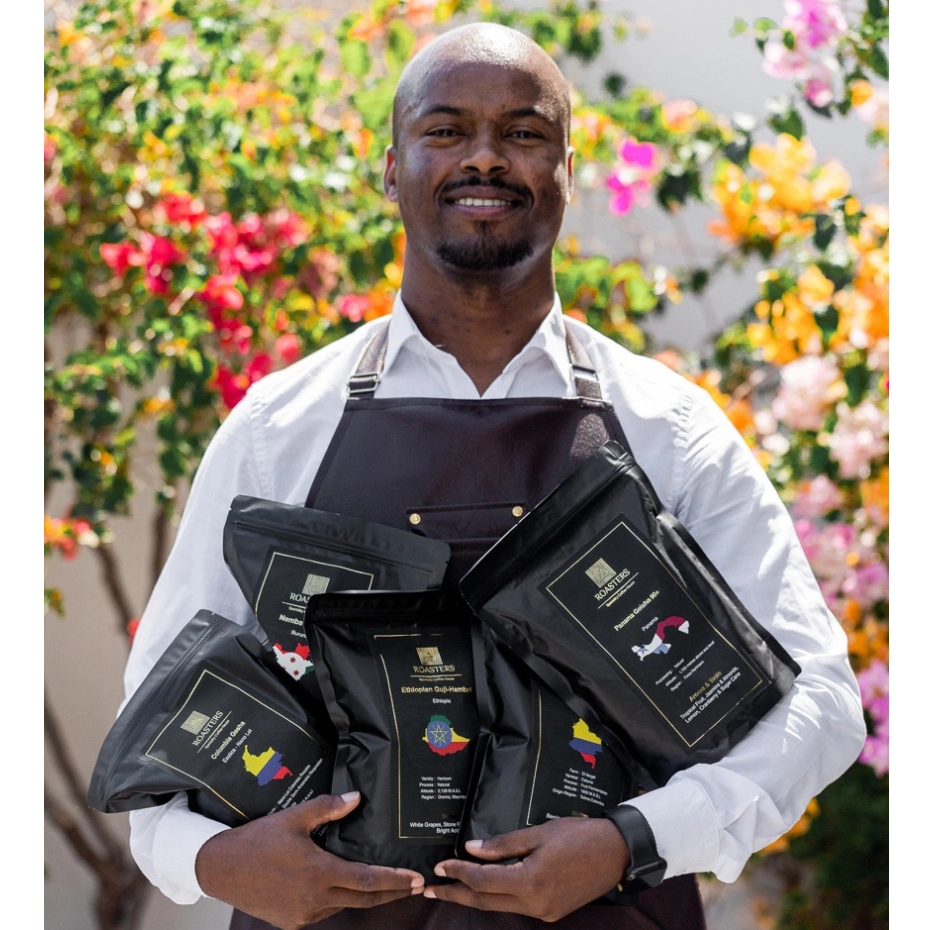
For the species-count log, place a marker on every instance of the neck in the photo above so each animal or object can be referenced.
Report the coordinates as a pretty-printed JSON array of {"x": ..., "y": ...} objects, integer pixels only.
[{"x": 481, "y": 320}]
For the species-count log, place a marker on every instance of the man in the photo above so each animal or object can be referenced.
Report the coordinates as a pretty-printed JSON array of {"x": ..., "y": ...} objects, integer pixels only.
[{"x": 479, "y": 394}]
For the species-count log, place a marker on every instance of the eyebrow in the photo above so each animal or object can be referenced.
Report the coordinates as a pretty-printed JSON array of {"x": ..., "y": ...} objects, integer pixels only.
[{"x": 448, "y": 110}]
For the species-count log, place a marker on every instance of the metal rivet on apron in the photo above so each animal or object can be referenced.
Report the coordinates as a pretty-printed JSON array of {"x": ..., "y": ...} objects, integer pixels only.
[
  {"x": 517, "y": 511},
  {"x": 415, "y": 518}
]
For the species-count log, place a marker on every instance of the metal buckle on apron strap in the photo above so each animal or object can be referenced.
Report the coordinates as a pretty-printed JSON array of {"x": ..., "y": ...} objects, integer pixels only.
[{"x": 364, "y": 383}]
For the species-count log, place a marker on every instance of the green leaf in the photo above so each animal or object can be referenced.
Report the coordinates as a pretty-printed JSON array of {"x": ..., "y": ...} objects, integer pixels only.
[
  {"x": 355, "y": 57},
  {"x": 857, "y": 383},
  {"x": 739, "y": 27},
  {"x": 876, "y": 9},
  {"x": 824, "y": 230},
  {"x": 784, "y": 117},
  {"x": 879, "y": 62}
]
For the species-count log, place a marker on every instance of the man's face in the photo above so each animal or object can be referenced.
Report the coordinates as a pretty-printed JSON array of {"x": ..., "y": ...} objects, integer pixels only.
[{"x": 480, "y": 168}]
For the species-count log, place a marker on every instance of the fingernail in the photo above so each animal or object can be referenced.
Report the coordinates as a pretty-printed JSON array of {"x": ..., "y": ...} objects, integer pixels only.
[
  {"x": 475, "y": 844},
  {"x": 429, "y": 893},
  {"x": 416, "y": 890},
  {"x": 440, "y": 871},
  {"x": 349, "y": 796},
  {"x": 418, "y": 882}
]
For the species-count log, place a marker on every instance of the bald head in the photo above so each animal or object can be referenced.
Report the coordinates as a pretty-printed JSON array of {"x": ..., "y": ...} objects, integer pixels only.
[{"x": 479, "y": 43}]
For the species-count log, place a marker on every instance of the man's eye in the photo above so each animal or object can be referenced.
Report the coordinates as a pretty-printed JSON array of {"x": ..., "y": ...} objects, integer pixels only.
[
  {"x": 444, "y": 133},
  {"x": 524, "y": 134}
]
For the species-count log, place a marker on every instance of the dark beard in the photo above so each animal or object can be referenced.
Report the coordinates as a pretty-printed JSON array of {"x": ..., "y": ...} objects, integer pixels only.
[{"x": 485, "y": 253}]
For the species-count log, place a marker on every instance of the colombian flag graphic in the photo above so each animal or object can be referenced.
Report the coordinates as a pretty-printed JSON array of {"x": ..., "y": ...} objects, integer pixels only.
[
  {"x": 441, "y": 738},
  {"x": 585, "y": 742},
  {"x": 266, "y": 766}
]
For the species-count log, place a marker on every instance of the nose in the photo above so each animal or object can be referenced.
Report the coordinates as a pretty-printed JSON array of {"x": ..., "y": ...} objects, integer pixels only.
[{"x": 485, "y": 156}]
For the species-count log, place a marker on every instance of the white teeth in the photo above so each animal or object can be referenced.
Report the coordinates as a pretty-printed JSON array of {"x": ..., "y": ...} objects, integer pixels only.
[{"x": 482, "y": 202}]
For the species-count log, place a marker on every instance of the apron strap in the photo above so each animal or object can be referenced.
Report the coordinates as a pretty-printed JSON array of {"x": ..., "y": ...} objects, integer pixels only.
[{"x": 367, "y": 375}]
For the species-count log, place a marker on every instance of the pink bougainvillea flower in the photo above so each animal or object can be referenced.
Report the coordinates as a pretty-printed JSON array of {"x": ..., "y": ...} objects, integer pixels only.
[
  {"x": 353, "y": 306},
  {"x": 121, "y": 255},
  {"x": 640, "y": 154},
  {"x": 221, "y": 291},
  {"x": 622, "y": 201},
  {"x": 288, "y": 347},
  {"x": 809, "y": 387},
  {"x": 816, "y": 497},
  {"x": 160, "y": 254},
  {"x": 873, "y": 684},
  {"x": 678, "y": 115},
  {"x": 631, "y": 179},
  {"x": 814, "y": 22},
  {"x": 51, "y": 149},
  {"x": 182, "y": 208},
  {"x": 859, "y": 437}
]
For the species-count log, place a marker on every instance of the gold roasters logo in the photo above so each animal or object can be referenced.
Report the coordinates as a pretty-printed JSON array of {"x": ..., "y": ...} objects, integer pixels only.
[
  {"x": 430, "y": 661},
  {"x": 315, "y": 584},
  {"x": 600, "y": 572},
  {"x": 195, "y": 722},
  {"x": 429, "y": 655}
]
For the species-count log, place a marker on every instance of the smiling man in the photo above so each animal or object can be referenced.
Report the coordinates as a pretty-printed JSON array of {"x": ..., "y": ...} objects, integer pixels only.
[{"x": 463, "y": 409}]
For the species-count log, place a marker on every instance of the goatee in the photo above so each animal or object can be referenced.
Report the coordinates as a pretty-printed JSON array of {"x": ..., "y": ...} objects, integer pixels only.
[{"x": 484, "y": 253}]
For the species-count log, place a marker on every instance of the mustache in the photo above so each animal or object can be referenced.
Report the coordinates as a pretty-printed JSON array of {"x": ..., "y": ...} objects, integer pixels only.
[{"x": 492, "y": 181}]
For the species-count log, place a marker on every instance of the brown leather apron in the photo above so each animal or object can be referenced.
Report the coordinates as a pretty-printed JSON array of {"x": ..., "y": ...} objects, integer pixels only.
[{"x": 464, "y": 471}]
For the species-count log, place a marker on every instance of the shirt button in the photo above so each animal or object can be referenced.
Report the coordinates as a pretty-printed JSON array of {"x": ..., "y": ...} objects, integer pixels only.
[
  {"x": 517, "y": 511},
  {"x": 415, "y": 518}
]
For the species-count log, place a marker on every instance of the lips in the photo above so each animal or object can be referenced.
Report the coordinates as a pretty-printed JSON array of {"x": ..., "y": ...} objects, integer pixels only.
[{"x": 486, "y": 196}]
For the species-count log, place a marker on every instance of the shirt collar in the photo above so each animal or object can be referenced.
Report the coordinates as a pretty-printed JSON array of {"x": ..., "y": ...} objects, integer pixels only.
[{"x": 547, "y": 342}]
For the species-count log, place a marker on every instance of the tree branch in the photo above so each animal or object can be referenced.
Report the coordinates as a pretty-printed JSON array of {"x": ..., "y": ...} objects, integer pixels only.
[{"x": 114, "y": 586}]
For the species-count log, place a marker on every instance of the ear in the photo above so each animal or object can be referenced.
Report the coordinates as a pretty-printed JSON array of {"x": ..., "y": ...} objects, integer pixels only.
[
  {"x": 570, "y": 164},
  {"x": 390, "y": 172}
]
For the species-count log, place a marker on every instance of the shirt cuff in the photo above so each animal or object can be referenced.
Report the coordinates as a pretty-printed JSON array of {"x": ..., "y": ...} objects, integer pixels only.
[{"x": 684, "y": 826}]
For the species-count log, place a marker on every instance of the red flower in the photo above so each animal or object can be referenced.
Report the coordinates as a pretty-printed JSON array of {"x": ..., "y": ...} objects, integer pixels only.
[
  {"x": 220, "y": 292},
  {"x": 160, "y": 253},
  {"x": 288, "y": 347},
  {"x": 232, "y": 386},
  {"x": 121, "y": 255},
  {"x": 131, "y": 629},
  {"x": 353, "y": 307},
  {"x": 182, "y": 208}
]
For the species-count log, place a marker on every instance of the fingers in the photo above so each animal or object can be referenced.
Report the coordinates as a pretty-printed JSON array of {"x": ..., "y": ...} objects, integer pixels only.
[
  {"x": 373, "y": 879},
  {"x": 323, "y": 809},
  {"x": 518, "y": 844},
  {"x": 468, "y": 897}
]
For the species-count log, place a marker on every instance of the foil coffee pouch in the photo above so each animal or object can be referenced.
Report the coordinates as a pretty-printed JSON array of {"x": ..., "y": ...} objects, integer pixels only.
[
  {"x": 537, "y": 760},
  {"x": 608, "y": 599},
  {"x": 397, "y": 676},
  {"x": 216, "y": 718},
  {"x": 282, "y": 554}
]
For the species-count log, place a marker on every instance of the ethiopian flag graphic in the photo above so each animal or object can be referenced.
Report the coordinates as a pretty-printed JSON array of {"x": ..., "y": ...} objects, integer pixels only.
[
  {"x": 441, "y": 738},
  {"x": 266, "y": 766},
  {"x": 585, "y": 742}
]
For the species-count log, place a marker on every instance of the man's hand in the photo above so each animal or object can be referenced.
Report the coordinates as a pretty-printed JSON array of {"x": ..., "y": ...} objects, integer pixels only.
[
  {"x": 565, "y": 864},
  {"x": 271, "y": 869}
]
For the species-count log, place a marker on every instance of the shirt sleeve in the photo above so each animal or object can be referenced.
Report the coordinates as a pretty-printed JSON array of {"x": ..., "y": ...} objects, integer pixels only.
[
  {"x": 165, "y": 840},
  {"x": 712, "y": 817}
]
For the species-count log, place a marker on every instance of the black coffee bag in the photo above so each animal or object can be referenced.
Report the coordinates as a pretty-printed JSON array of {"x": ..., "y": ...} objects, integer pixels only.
[
  {"x": 216, "y": 719},
  {"x": 606, "y": 596},
  {"x": 538, "y": 760},
  {"x": 397, "y": 675},
  {"x": 281, "y": 555}
]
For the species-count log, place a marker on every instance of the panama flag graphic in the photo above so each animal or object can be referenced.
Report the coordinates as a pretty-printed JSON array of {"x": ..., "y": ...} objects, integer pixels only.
[
  {"x": 585, "y": 742},
  {"x": 266, "y": 766},
  {"x": 658, "y": 643},
  {"x": 441, "y": 738}
]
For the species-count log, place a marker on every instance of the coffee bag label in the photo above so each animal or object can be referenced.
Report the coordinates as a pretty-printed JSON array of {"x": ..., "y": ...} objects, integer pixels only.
[
  {"x": 288, "y": 582},
  {"x": 635, "y": 611},
  {"x": 248, "y": 755},
  {"x": 573, "y": 774},
  {"x": 429, "y": 680}
]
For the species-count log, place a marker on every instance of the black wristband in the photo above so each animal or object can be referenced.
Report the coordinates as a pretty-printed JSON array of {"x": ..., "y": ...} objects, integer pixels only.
[{"x": 647, "y": 867}]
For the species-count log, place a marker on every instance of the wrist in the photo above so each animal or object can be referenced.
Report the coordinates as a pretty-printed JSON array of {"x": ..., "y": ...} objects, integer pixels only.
[{"x": 646, "y": 868}]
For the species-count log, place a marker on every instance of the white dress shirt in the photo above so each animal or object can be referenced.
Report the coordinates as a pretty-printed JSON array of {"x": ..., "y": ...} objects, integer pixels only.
[{"x": 708, "y": 818}]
